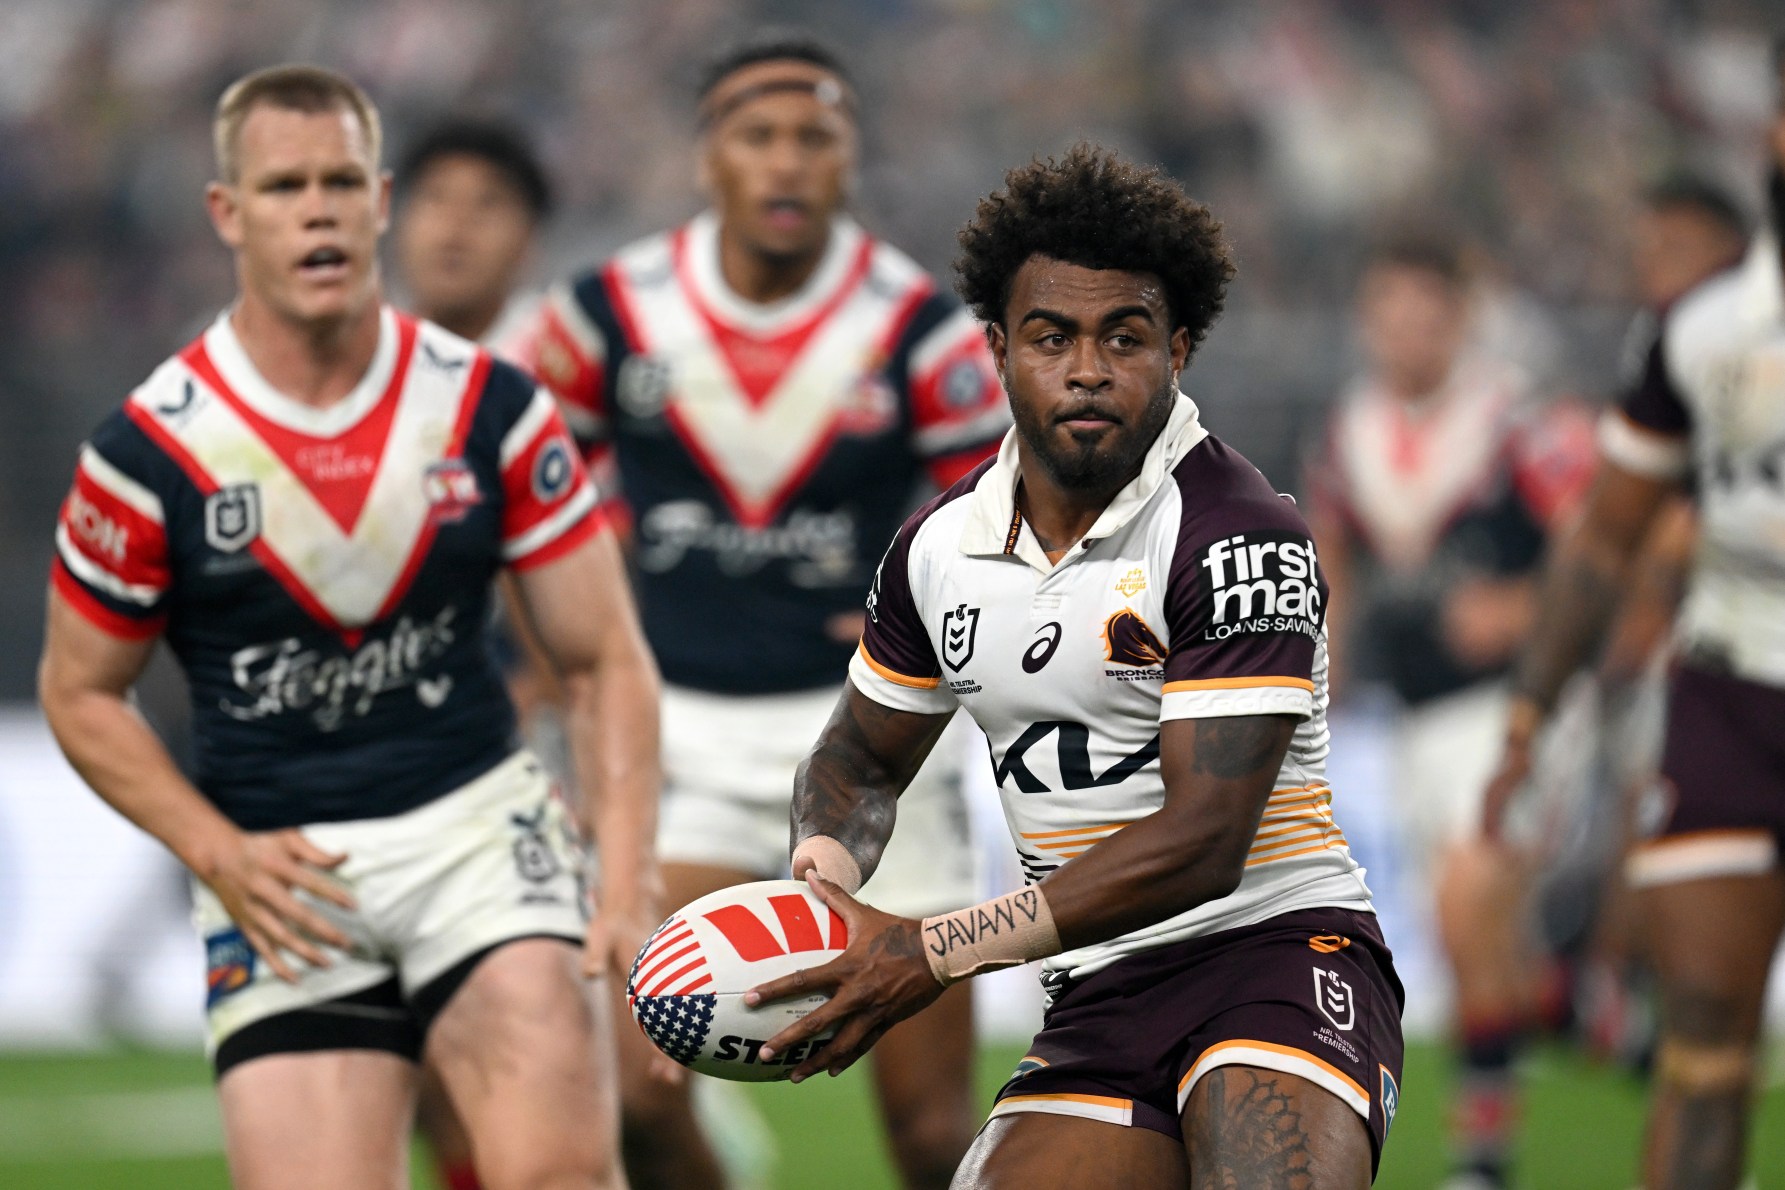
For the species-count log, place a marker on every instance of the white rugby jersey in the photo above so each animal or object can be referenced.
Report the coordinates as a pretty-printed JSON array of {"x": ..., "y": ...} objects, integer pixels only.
[
  {"x": 1196, "y": 594},
  {"x": 1710, "y": 404},
  {"x": 765, "y": 453}
]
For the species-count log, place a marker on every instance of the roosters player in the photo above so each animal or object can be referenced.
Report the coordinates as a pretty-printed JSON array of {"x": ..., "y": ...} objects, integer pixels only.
[
  {"x": 768, "y": 386},
  {"x": 308, "y": 504}
]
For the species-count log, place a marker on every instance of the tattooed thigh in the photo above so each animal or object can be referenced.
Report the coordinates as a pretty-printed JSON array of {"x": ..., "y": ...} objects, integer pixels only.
[{"x": 1246, "y": 1127}]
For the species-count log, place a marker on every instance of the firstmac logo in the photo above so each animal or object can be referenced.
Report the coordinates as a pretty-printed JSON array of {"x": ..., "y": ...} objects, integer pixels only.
[{"x": 1262, "y": 582}]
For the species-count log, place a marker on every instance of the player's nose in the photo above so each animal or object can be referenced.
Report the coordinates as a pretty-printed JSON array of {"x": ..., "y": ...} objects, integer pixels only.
[{"x": 1086, "y": 367}]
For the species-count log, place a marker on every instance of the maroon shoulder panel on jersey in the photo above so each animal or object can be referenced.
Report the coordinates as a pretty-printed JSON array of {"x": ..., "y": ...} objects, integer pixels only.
[
  {"x": 1652, "y": 402},
  {"x": 895, "y": 642},
  {"x": 1245, "y": 601}
]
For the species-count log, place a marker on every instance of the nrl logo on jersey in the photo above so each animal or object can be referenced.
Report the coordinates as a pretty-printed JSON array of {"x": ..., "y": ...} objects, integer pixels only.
[
  {"x": 232, "y": 517},
  {"x": 959, "y": 627},
  {"x": 1261, "y": 582}
]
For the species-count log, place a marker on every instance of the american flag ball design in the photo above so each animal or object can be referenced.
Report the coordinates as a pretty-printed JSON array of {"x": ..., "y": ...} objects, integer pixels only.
[{"x": 677, "y": 1025}]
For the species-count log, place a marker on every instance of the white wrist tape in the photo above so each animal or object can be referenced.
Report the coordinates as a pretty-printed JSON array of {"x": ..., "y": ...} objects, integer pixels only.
[
  {"x": 832, "y": 860},
  {"x": 1005, "y": 931}
]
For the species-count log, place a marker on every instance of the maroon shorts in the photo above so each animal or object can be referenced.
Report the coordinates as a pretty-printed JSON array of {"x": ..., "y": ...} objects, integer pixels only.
[
  {"x": 1724, "y": 767},
  {"x": 1311, "y": 993}
]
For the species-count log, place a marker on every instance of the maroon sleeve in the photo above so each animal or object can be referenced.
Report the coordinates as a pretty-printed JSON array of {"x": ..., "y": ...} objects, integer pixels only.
[
  {"x": 1651, "y": 401},
  {"x": 895, "y": 643},
  {"x": 1245, "y": 602}
]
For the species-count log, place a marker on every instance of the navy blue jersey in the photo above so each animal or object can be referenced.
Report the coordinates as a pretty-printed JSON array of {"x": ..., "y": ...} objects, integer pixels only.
[
  {"x": 766, "y": 455},
  {"x": 323, "y": 575},
  {"x": 1460, "y": 486}
]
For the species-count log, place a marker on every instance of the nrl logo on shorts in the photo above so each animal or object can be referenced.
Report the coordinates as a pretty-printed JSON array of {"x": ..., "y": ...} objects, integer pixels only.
[
  {"x": 232, "y": 517},
  {"x": 1332, "y": 996},
  {"x": 959, "y": 627}
]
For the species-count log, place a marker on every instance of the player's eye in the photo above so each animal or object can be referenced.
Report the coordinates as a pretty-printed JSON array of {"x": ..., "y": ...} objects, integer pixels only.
[{"x": 816, "y": 138}]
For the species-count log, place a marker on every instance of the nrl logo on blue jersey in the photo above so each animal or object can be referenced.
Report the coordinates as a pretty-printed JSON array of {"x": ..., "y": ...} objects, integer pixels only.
[
  {"x": 642, "y": 388},
  {"x": 232, "y": 517}
]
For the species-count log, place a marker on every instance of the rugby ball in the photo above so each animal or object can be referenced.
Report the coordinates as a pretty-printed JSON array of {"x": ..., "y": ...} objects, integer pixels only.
[{"x": 686, "y": 988}]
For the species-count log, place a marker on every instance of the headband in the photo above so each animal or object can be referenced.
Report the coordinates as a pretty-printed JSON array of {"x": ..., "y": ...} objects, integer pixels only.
[{"x": 828, "y": 91}]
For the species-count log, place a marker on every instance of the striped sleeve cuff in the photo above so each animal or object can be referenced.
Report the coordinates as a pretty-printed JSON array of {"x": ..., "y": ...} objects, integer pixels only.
[
  {"x": 1641, "y": 450},
  {"x": 919, "y": 696},
  {"x": 1215, "y": 698}
]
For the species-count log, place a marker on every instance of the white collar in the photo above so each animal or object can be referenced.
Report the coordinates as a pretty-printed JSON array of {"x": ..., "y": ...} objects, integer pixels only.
[
  {"x": 702, "y": 249},
  {"x": 993, "y": 510},
  {"x": 1763, "y": 282},
  {"x": 233, "y": 364}
]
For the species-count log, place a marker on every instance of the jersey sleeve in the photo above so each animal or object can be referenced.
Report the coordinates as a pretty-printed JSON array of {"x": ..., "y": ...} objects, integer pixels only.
[
  {"x": 1649, "y": 430},
  {"x": 896, "y": 664},
  {"x": 1244, "y": 607},
  {"x": 111, "y": 563},
  {"x": 958, "y": 412},
  {"x": 548, "y": 501}
]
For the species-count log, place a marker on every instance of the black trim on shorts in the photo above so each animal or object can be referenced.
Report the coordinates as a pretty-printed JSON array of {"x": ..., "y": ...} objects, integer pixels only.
[
  {"x": 427, "y": 1002},
  {"x": 373, "y": 1019}
]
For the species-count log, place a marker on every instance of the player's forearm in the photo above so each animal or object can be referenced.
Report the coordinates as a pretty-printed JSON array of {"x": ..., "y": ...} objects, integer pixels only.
[
  {"x": 1577, "y": 598},
  {"x": 611, "y": 713},
  {"x": 841, "y": 791},
  {"x": 1219, "y": 773},
  {"x": 1149, "y": 871},
  {"x": 122, "y": 759}
]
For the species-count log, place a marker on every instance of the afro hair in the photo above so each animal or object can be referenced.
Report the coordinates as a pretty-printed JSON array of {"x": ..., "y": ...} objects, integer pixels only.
[{"x": 1091, "y": 208}]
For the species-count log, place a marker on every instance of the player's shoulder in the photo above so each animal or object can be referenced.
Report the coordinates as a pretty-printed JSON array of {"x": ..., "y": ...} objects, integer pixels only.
[
  {"x": 1221, "y": 493},
  {"x": 1707, "y": 318},
  {"x": 939, "y": 519},
  {"x": 891, "y": 268},
  {"x": 648, "y": 260}
]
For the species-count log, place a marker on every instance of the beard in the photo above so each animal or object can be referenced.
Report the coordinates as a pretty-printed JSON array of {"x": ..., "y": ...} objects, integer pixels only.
[{"x": 1101, "y": 461}]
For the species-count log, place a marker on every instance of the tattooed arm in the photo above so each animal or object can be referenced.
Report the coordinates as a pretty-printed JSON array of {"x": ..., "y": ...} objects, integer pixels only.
[
  {"x": 1218, "y": 775},
  {"x": 1582, "y": 586},
  {"x": 849, "y": 784}
]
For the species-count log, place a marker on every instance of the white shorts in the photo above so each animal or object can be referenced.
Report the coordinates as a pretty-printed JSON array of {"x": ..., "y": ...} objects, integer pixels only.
[
  {"x": 437, "y": 887},
  {"x": 728, "y": 766},
  {"x": 1449, "y": 748}
]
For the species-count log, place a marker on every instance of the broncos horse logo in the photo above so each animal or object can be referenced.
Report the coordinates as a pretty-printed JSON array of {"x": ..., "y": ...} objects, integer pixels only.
[{"x": 1128, "y": 641}]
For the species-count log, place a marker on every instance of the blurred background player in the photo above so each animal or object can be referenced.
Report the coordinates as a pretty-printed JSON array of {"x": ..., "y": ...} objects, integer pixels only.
[
  {"x": 471, "y": 196},
  {"x": 771, "y": 386},
  {"x": 1708, "y": 408},
  {"x": 309, "y": 503},
  {"x": 1431, "y": 502},
  {"x": 1687, "y": 230}
]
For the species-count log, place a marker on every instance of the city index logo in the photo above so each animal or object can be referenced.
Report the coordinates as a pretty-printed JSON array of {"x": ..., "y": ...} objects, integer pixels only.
[
  {"x": 1262, "y": 582},
  {"x": 751, "y": 937}
]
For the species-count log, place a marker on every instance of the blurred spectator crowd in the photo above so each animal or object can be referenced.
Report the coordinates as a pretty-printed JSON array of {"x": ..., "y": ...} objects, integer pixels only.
[{"x": 1312, "y": 127}]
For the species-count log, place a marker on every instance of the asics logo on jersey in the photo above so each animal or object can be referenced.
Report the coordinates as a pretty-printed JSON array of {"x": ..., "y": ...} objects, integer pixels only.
[
  {"x": 1042, "y": 651},
  {"x": 1074, "y": 750},
  {"x": 283, "y": 677},
  {"x": 1262, "y": 582}
]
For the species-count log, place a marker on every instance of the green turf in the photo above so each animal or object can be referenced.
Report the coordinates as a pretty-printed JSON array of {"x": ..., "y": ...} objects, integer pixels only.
[{"x": 88, "y": 1123}]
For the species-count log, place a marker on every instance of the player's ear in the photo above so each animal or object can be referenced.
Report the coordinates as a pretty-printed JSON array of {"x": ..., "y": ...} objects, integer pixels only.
[
  {"x": 994, "y": 338},
  {"x": 703, "y": 168},
  {"x": 1180, "y": 350},
  {"x": 386, "y": 187},
  {"x": 225, "y": 211}
]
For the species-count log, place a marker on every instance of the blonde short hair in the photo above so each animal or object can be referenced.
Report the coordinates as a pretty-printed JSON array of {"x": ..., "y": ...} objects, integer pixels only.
[{"x": 292, "y": 87}]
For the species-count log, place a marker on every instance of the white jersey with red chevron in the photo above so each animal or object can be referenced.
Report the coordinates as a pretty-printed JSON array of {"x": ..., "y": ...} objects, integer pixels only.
[
  {"x": 765, "y": 452},
  {"x": 322, "y": 574}
]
